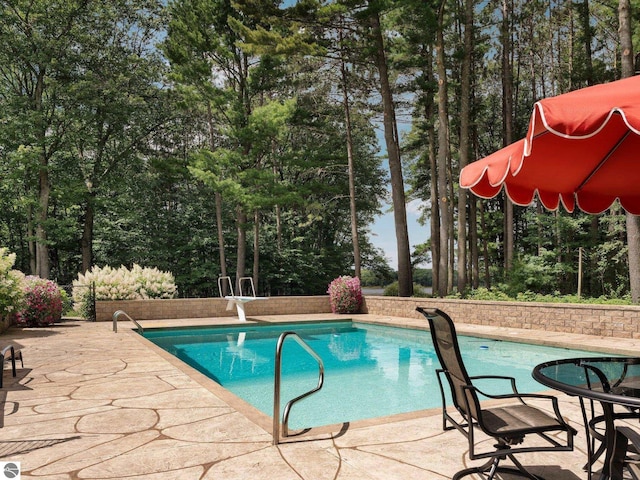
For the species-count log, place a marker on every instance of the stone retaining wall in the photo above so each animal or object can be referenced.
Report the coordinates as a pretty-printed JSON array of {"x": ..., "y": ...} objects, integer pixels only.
[
  {"x": 210, "y": 307},
  {"x": 602, "y": 320}
]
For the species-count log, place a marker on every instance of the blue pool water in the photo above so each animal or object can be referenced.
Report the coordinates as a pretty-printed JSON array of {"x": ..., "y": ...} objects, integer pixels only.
[{"x": 370, "y": 370}]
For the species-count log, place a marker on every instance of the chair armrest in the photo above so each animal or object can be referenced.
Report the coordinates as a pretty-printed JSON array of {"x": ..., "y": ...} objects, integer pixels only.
[
  {"x": 532, "y": 396},
  {"x": 512, "y": 380}
]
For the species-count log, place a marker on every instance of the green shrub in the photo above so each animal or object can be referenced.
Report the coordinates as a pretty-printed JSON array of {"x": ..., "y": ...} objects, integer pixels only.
[
  {"x": 489, "y": 294},
  {"x": 67, "y": 302},
  {"x": 11, "y": 289},
  {"x": 139, "y": 283},
  {"x": 391, "y": 290},
  {"x": 42, "y": 303},
  {"x": 498, "y": 294}
]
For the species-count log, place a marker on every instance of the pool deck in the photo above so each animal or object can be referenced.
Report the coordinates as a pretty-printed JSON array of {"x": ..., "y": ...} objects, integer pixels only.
[{"x": 94, "y": 404}]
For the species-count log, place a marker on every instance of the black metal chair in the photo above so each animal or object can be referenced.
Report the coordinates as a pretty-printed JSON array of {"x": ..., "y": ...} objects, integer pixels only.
[
  {"x": 627, "y": 440},
  {"x": 508, "y": 425},
  {"x": 10, "y": 352}
]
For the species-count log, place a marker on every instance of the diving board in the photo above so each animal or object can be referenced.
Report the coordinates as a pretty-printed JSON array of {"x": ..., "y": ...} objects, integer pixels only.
[{"x": 239, "y": 301}]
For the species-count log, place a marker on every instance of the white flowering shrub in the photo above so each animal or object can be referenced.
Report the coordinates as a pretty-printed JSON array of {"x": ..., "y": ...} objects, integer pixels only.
[
  {"x": 153, "y": 283},
  {"x": 11, "y": 284},
  {"x": 121, "y": 284}
]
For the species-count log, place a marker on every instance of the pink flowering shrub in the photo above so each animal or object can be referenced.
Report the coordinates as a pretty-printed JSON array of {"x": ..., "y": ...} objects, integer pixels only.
[
  {"x": 42, "y": 304},
  {"x": 345, "y": 294}
]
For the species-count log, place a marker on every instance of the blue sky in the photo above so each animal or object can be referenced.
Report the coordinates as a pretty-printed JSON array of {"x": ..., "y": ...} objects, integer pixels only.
[{"x": 383, "y": 234}]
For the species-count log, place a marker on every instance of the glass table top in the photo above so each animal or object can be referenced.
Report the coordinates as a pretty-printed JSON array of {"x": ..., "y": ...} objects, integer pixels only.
[{"x": 609, "y": 379}]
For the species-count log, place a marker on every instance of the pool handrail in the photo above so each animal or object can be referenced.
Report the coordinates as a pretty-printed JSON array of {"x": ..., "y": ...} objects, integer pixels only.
[
  {"x": 122, "y": 312},
  {"x": 241, "y": 281},
  {"x": 229, "y": 283},
  {"x": 277, "y": 383}
]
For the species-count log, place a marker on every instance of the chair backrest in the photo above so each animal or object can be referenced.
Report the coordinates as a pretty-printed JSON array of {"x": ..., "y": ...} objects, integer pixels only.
[{"x": 445, "y": 342}]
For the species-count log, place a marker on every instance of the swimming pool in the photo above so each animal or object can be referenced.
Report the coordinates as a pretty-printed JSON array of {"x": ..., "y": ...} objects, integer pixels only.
[{"x": 370, "y": 370}]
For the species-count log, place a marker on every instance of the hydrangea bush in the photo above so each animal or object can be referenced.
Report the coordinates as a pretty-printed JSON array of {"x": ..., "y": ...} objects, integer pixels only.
[
  {"x": 345, "y": 294},
  {"x": 11, "y": 292},
  {"x": 122, "y": 284},
  {"x": 42, "y": 303}
]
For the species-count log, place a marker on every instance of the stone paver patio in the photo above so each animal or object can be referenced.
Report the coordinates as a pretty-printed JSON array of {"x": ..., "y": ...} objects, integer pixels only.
[{"x": 94, "y": 404}]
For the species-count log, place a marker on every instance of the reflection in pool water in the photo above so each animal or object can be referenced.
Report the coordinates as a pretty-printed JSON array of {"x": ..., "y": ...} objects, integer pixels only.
[{"x": 370, "y": 370}]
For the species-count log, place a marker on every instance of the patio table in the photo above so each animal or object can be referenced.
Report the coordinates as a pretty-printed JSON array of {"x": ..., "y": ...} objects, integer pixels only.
[{"x": 611, "y": 381}]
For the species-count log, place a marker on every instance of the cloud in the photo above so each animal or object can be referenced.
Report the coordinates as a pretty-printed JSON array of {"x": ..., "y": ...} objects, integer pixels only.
[{"x": 415, "y": 207}]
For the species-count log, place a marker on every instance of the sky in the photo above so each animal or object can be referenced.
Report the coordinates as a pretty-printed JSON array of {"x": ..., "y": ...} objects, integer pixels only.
[{"x": 383, "y": 234}]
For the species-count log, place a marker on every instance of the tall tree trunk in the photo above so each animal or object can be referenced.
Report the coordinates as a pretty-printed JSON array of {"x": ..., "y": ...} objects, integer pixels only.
[
  {"x": 633, "y": 221},
  {"x": 31, "y": 243},
  {"x": 42, "y": 249},
  {"x": 507, "y": 110},
  {"x": 485, "y": 247},
  {"x": 44, "y": 188},
  {"x": 465, "y": 122},
  {"x": 350, "y": 160},
  {"x": 218, "y": 199},
  {"x": 435, "y": 212},
  {"x": 443, "y": 157},
  {"x": 405, "y": 275},
  {"x": 222, "y": 256},
  {"x": 278, "y": 228},
  {"x": 585, "y": 18},
  {"x": 86, "y": 242},
  {"x": 277, "y": 206},
  {"x": 242, "y": 246},
  {"x": 473, "y": 244},
  {"x": 256, "y": 249},
  {"x": 434, "y": 219}
]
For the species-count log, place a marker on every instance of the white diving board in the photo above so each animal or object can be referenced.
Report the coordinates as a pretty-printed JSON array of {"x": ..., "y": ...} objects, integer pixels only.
[{"x": 239, "y": 301}]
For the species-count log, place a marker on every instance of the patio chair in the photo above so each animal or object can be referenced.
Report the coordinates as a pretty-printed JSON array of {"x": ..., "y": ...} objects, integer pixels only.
[
  {"x": 508, "y": 425},
  {"x": 626, "y": 440}
]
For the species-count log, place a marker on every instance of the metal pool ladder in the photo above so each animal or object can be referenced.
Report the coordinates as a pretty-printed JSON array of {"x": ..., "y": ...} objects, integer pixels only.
[
  {"x": 115, "y": 321},
  {"x": 277, "y": 381}
]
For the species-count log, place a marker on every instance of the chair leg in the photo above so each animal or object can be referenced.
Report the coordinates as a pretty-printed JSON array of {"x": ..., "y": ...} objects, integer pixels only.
[{"x": 489, "y": 469}]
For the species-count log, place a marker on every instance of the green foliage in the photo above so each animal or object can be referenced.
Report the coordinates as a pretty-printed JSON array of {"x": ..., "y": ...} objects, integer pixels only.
[
  {"x": 535, "y": 273},
  {"x": 67, "y": 302},
  {"x": 376, "y": 269},
  {"x": 423, "y": 276},
  {"x": 11, "y": 287},
  {"x": 368, "y": 278},
  {"x": 499, "y": 293}
]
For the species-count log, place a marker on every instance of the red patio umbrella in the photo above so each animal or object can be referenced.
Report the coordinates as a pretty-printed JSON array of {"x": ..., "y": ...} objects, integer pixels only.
[{"x": 582, "y": 148}]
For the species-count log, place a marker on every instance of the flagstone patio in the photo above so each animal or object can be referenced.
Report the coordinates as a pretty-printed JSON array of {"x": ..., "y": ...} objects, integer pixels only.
[{"x": 94, "y": 404}]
